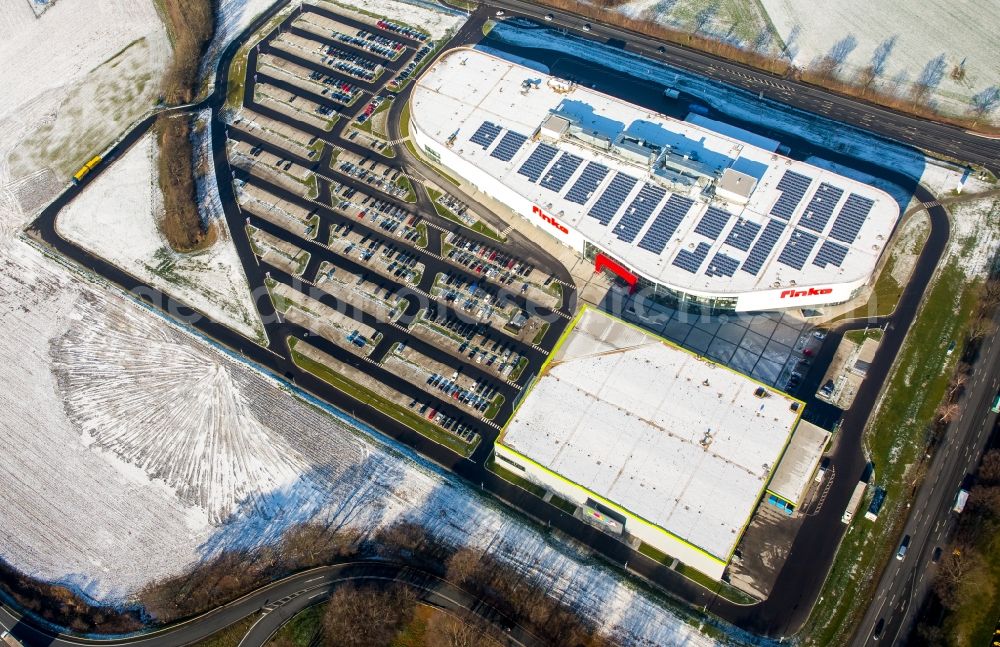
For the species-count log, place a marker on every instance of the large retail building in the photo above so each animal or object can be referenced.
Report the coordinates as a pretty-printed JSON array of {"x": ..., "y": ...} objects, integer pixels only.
[
  {"x": 693, "y": 210},
  {"x": 656, "y": 444}
]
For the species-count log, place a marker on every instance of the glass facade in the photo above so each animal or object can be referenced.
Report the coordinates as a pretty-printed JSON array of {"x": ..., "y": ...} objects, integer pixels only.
[{"x": 669, "y": 297}]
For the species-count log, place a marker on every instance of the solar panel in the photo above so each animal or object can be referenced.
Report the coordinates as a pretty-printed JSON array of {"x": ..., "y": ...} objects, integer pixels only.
[
  {"x": 665, "y": 223},
  {"x": 691, "y": 261},
  {"x": 560, "y": 172},
  {"x": 537, "y": 161},
  {"x": 639, "y": 212},
  {"x": 817, "y": 213},
  {"x": 792, "y": 186},
  {"x": 713, "y": 222},
  {"x": 830, "y": 253},
  {"x": 485, "y": 134},
  {"x": 722, "y": 265},
  {"x": 852, "y": 216},
  {"x": 612, "y": 198},
  {"x": 742, "y": 234},
  {"x": 593, "y": 174},
  {"x": 763, "y": 247},
  {"x": 508, "y": 146},
  {"x": 797, "y": 249}
]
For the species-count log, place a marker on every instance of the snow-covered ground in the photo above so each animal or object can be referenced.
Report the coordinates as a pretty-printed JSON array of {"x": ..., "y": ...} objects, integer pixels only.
[
  {"x": 913, "y": 39},
  {"x": 234, "y": 17},
  {"x": 433, "y": 18},
  {"x": 739, "y": 21},
  {"x": 73, "y": 78},
  {"x": 115, "y": 218},
  {"x": 975, "y": 234}
]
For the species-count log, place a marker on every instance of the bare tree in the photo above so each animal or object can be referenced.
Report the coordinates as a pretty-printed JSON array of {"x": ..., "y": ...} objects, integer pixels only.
[
  {"x": 367, "y": 616},
  {"x": 929, "y": 79},
  {"x": 981, "y": 327},
  {"x": 989, "y": 468},
  {"x": 876, "y": 66},
  {"x": 444, "y": 630},
  {"x": 948, "y": 412}
]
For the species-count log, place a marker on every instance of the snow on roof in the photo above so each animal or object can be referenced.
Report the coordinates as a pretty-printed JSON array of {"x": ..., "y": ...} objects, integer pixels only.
[
  {"x": 673, "y": 438},
  {"x": 799, "y": 462},
  {"x": 466, "y": 89}
]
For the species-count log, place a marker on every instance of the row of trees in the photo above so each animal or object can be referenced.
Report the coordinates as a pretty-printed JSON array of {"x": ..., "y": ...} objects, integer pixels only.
[
  {"x": 980, "y": 327},
  {"x": 511, "y": 593},
  {"x": 191, "y": 24}
]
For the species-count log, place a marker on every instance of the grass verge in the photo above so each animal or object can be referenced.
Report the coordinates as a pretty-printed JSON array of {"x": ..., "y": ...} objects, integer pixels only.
[
  {"x": 722, "y": 589},
  {"x": 443, "y": 211},
  {"x": 406, "y": 417},
  {"x": 859, "y": 336},
  {"x": 514, "y": 479},
  {"x": 231, "y": 635}
]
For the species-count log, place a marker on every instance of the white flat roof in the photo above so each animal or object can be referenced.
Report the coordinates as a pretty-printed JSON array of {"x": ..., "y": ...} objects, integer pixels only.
[
  {"x": 672, "y": 438},
  {"x": 795, "y": 472},
  {"x": 466, "y": 88}
]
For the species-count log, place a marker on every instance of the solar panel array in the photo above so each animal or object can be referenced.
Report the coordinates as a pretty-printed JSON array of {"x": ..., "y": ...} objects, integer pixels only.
[
  {"x": 612, "y": 198},
  {"x": 560, "y": 172},
  {"x": 852, "y": 216},
  {"x": 593, "y": 174},
  {"x": 797, "y": 249},
  {"x": 722, "y": 265},
  {"x": 742, "y": 234},
  {"x": 713, "y": 222},
  {"x": 509, "y": 144},
  {"x": 792, "y": 186},
  {"x": 665, "y": 223},
  {"x": 485, "y": 134},
  {"x": 762, "y": 248},
  {"x": 691, "y": 261},
  {"x": 639, "y": 212},
  {"x": 830, "y": 253},
  {"x": 820, "y": 207},
  {"x": 537, "y": 161}
]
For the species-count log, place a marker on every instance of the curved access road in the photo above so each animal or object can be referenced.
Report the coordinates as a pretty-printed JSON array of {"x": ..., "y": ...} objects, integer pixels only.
[{"x": 278, "y": 602}]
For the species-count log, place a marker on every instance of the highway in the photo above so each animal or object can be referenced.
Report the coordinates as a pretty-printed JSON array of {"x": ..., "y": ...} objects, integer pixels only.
[
  {"x": 905, "y": 583},
  {"x": 800, "y": 581},
  {"x": 934, "y": 137}
]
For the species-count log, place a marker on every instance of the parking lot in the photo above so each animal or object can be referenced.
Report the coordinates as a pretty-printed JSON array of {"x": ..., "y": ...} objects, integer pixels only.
[{"x": 437, "y": 323}]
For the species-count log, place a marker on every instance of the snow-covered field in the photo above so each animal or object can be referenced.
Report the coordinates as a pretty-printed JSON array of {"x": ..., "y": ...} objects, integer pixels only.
[
  {"x": 925, "y": 39},
  {"x": 740, "y": 21},
  {"x": 73, "y": 78},
  {"x": 115, "y": 218},
  {"x": 431, "y": 17}
]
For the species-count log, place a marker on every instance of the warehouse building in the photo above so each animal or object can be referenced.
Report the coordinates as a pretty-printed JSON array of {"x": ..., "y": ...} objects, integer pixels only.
[
  {"x": 694, "y": 214},
  {"x": 652, "y": 442}
]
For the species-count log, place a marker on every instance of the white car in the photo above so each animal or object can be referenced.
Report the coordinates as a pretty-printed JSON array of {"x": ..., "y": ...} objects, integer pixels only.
[
  {"x": 548, "y": 17},
  {"x": 500, "y": 13},
  {"x": 586, "y": 27}
]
